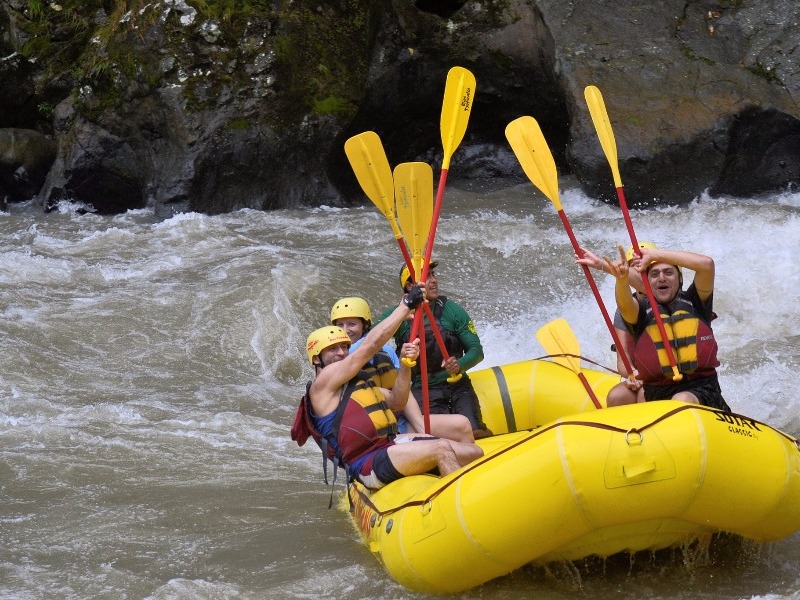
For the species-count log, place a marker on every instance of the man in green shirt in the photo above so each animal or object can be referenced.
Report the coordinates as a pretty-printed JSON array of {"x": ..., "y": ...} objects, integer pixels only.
[{"x": 463, "y": 347}]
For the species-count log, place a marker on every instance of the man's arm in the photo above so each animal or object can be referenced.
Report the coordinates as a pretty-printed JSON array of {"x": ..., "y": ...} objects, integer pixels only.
[
  {"x": 626, "y": 303},
  {"x": 702, "y": 265},
  {"x": 329, "y": 380},
  {"x": 601, "y": 264},
  {"x": 397, "y": 397},
  {"x": 468, "y": 335}
]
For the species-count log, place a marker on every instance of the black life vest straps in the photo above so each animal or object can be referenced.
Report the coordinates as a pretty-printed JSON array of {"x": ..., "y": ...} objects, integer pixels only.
[{"x": 323, "y": 442}]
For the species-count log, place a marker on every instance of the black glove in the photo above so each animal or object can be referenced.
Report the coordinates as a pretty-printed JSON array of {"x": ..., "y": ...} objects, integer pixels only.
[{"x": 414, "y": 298}]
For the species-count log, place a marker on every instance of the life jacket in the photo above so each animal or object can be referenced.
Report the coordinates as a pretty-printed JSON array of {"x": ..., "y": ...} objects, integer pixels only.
[
  {"x": 432, "y": 351},
  {"x": 362, "y": 423},
  {"x": 381, "y": 370},
  {"x": 690, "y": 336}
]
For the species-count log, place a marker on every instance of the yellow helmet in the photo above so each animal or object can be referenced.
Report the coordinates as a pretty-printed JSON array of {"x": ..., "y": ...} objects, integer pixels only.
[
  {"x": 351, "y": 307},
  {"x": 405, "y": 274},
  {"x": 630, "y": 254},
  {"x": 325, "y": 337}
]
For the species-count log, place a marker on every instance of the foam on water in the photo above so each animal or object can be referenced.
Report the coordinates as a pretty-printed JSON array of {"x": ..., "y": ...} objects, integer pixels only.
[{"x": 151, "y": 370}]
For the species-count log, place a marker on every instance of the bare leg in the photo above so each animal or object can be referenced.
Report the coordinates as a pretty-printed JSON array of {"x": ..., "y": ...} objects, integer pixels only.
[
  {"x": 420, "y": 456},
  {"x": 466, "y": 452},
  {"x": 686, "y": 397},
  {"x": 620, "y": 394},
  {"x": 452, "y": 427}
]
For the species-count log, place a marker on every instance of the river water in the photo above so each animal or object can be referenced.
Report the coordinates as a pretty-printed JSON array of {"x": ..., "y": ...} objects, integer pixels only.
[{"x": 150, "y": 370}]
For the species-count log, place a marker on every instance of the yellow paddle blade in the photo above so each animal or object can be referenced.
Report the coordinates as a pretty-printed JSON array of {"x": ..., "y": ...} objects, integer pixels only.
[
  {"x": 371, "y": 167},
  {"x": 597, "y": 109},
  {"x": 459, "y": 92},
  {"x": 413, "y": 191},
  {"x": 556, "y": 337},
  {"x": 528, "y": 143}
]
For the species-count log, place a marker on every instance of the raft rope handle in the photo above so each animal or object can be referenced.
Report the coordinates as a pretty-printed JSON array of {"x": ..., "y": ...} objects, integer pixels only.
[
  {"x": 633, "y": 442},
  {"x": 578, "y": 356}
]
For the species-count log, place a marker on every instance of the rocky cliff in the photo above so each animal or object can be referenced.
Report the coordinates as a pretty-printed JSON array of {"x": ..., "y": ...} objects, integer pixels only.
[{"x": 218, "y": 105}]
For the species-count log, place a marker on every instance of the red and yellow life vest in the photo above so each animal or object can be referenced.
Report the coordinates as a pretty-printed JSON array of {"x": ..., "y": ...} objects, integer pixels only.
[{"x": 690, "y": 336}]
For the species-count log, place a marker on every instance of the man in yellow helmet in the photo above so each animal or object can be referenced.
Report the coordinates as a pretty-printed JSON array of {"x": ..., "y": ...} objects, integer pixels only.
[
  {"x": 354, "y": 316},
  {"x": 463, "y": 347},
  {"x": 686, "y": 316},
  {"x": 352, "y": 419}
]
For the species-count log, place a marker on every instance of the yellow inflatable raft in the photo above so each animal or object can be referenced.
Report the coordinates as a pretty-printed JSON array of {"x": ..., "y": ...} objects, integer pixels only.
[{"x": 565, "y": 481}]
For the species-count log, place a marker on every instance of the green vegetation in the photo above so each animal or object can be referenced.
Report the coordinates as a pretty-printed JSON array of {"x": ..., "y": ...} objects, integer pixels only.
[
  {"x": 239, "y": 124},
  {"x": 764, "y": 72},
  {"x": 46, "y": 110},
  {"x": 333, "y": 106},
  {"x": 318, "y": 66},
  {"x": 312, "y": 53},
  {"x": 689, "y": 53}
]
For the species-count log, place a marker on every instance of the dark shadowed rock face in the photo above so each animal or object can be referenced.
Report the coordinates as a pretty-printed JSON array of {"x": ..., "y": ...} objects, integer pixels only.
[
  {"x": 763, "y": 154},
  {"x": 25, "y": 159},
  {"x": 185, "y": 108}
]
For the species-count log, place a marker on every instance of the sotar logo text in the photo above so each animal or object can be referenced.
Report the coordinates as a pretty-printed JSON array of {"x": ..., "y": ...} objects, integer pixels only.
[
  {"x": 736, "y": 420},
  {"x": 739, "y": 425},
  {"x": 466, "y": 99}
]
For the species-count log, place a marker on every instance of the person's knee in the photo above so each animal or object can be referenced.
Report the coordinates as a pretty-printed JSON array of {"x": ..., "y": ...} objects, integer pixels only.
[
  {"x": 444, "y": 453},
  {"x": 619, "y": 395},
  {"x": 686, "y": 397}
]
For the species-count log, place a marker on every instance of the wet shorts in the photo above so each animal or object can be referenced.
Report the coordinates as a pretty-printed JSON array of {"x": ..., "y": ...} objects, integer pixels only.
[
  {"x": 378, "y": 470},
  {"x": 706, "y": 389},
  {"x": 454, "y": 398}
]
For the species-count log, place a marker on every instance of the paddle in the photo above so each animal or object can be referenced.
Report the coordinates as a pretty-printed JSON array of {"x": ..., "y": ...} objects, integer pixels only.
[
  {"x": 528, "y": 143},
  {"x": 413, "y": 185},
  {"x": 413, "y": 193},
  {"x": 371, "y": 167},
  {"x": 597, "y": 110},
  {"x": 459, "y": 92},
  {"x": 556, "y": 338}
]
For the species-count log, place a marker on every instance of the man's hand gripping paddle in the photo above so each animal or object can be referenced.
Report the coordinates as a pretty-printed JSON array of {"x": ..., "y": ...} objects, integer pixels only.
[{"x": 597, "y": 109}]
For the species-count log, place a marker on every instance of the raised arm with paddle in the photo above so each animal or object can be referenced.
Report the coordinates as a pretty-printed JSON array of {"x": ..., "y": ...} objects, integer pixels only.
[
  {"x": 372, "y": 170},
  {"x": 528, "y": 143},
  {"x": 597, "y": 109},
  {"x": 371, "y": 167}
]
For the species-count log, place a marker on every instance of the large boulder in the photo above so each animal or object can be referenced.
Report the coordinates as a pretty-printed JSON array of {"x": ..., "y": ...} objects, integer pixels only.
[
  {"x": 180, "y": 108},
  {"x": 25, "y": 159},
  {"x": 700, "y": 96}
]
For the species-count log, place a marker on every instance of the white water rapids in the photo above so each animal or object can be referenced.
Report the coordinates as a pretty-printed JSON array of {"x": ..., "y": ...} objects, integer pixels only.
[{"x": 150, "y": 371}]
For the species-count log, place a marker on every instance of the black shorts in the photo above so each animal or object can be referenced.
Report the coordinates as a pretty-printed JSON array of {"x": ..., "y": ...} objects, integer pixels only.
[
  {"x": 454, "y": 398},
  {"x": 378, "y": 470},
  {"x": 706, "y": 389},
  {"x": 383, "y": 468}
]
